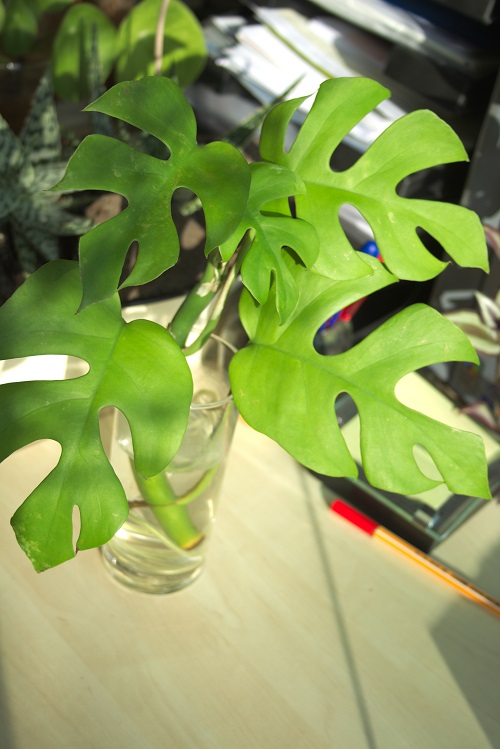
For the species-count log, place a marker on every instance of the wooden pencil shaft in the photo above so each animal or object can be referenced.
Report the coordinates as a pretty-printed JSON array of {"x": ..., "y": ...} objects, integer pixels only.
[{"x": 458, "y": 582}]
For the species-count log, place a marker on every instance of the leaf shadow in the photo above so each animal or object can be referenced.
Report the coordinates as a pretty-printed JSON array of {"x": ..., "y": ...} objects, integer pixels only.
[{"x": 477, "y": 678}]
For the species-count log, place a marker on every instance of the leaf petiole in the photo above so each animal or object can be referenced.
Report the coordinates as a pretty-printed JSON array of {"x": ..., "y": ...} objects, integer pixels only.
[{"x": 172, "y": 517}]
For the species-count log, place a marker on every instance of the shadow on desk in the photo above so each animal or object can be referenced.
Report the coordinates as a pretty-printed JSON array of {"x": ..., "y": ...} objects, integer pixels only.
[
  {"x": 382, "y": 635},
  {"x": 473, "y": 550},
  {"x": 6, "y": 733},
  {"x": 340, "y": 621},
  {"x": 488, "y": 576},
  {"x": 479, "y": 685}
]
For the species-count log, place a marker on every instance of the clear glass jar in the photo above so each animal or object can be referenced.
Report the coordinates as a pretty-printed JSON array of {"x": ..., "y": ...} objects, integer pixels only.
[{"x": 163, "y": 544}]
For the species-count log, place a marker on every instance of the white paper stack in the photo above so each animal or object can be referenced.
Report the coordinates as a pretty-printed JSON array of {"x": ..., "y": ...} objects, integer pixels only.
[{"x": 286, "y": 50}]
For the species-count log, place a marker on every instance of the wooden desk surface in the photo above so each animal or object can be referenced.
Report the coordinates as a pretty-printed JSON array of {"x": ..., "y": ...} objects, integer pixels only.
[{"x": 302, "y": 633}]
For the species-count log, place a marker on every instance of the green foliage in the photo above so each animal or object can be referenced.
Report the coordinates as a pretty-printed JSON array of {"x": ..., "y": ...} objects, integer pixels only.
[
  {"x": 184, "y": 49},
  {"x": 415, "y": 142},
  {"x": 19, "y": 23},
  {"x": 296, "y": 406},
  {"x": 273, "y": 234},
  {"x": 119, "y": 356},
  {"x": 128, "y": 50},
  {"x": 158, "y": 106},
  {"x": 31, "y": 218},
  {"x": 73, "y": 53},
  {"x": 278, "y": 223},
  {"x": 20, "y": 28}
]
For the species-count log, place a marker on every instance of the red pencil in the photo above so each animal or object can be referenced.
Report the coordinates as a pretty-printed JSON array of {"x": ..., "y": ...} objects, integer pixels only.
[{"x": 464, "y": 586}]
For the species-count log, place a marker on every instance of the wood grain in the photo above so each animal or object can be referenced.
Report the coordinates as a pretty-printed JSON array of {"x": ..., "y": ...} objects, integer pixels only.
[{"x": 301, "y": 633}]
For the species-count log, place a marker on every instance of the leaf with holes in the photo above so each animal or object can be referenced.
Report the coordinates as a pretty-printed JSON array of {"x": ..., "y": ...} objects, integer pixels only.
[
  {"x": 217, "y": 173},
  {"x": 274, "y": 232},
  {"x": 286, "y": 389},
  {"x": 136, "y": 367},
  {"x": 416, "y": 141}
]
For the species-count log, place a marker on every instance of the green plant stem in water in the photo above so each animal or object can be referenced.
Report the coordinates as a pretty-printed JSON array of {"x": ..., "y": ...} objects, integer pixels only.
[
  {"x": 200, "y": 487},
  {"x": 173, "y": 518},
  {"x": 214, "y": 287}
]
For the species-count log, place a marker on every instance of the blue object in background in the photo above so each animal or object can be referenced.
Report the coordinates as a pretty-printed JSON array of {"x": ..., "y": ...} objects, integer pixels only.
[{"x": 369, "y": 248}]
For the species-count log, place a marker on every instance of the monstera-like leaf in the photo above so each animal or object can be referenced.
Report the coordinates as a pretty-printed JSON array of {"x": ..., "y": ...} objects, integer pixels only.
[
  {"x": 272, "y": 233},
  {"x": 282, "y": 385},
  {"x": 136, "y": 367},
  {"x": 287, "y": 390},
  {"x": 416, "y": 141},
  {"x": 217, "y": 173}
]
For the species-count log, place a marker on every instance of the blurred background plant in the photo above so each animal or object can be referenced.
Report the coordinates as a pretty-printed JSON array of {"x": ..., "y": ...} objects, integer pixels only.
[
  {"x": 55, "y": 57},
  {"x": 155, "y": 37},
  {"x": 32, "y": 219},
  {"x": 130, "y": 40},
  {"x": 21, "y": 24}
]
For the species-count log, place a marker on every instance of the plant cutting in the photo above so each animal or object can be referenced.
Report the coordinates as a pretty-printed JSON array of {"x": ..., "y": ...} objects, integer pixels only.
[{"x": 275, "y": 225}]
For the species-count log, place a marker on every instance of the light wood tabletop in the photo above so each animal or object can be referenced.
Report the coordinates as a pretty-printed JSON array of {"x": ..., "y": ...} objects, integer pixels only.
[{"x": 301, "y": 633}]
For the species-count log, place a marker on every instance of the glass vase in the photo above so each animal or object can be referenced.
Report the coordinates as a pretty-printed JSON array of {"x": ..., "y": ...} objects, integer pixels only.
[{"x": 163, "y": 544}]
